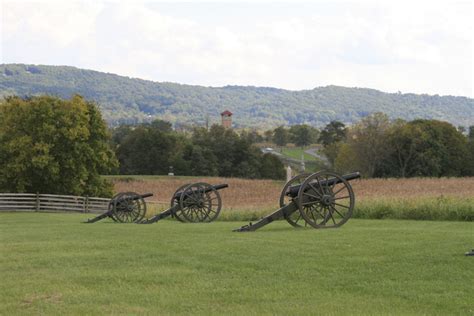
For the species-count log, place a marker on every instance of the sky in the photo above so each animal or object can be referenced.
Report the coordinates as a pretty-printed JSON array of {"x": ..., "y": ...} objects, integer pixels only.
[{"x": 408, "y": 46}]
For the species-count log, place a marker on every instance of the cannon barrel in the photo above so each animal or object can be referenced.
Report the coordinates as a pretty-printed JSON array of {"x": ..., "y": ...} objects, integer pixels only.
[
  {"x": 144, "y": 196},
  {"x": 293, "y": 190},
  {"x": 136, "y": 197},
  {"x": 214, "y": 187}
]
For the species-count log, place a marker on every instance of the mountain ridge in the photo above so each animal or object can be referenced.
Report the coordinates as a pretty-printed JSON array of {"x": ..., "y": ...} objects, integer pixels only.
[{"x": 125, "y": 99}]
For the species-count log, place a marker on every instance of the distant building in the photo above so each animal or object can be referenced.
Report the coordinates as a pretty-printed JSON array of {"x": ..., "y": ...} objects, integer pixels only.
[{"x": 226, "y": 119}]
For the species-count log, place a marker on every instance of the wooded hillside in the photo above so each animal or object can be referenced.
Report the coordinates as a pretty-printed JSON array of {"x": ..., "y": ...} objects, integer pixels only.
[{"x": 127, "y": 100}]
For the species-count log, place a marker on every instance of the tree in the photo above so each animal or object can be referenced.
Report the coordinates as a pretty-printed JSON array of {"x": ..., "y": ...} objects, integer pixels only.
[
  {"x": 368, "y": 140},
  {"x": 443, "y": 151},
  {"x": 234, "y": 155},
  {"x": 303, "y": 135},
  {"x": 331, "y": 151},
  {"x": 202, "y": 162},
  {"x": 161, "y": 125},
  {"x": 344, "y": 162},
  {"x": 149, "y": 149},
  {"x": 380, "y": 148},
  {"x": 332, "y": 137},
  {"x": 252, "y": 136},
  {"x": 469, "y": 170},
  {"x": 403, "y": 140},
  {"x": 280, "y": 136},
  {"x": 228, "y": 148},
  {"x": 119, "y": 133},
  {"x": 50, "y": 145},
  {"x": 426, "y": 148},
  {"x": 268, "y": 136},
  {"x": 334, "y": 132},
  {"x": 272, "y": 167}
]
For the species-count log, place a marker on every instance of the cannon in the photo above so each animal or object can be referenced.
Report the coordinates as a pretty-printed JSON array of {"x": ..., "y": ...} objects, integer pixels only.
[
  {"x": 322, "y": 200},
  {"x": 125, "y": 207},
  {"x": 193, "y": 203}
]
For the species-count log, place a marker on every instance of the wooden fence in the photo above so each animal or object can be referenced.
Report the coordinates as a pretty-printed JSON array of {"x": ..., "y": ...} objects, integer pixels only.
[{"x": 52, "y": 203}]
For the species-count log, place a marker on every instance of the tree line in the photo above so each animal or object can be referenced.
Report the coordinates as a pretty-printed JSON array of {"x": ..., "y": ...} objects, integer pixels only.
[
  {"x": 63, "y": 146},
  {"x": 380, "y": 147},
  {"x": 152, "y": 148},
  {"x": 376, "y": 146}
]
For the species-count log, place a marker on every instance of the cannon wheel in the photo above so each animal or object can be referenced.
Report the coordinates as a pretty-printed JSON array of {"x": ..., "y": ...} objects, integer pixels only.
[
  {"x": 178, "y": 214},
  {"x": 128, "y": 207},
  {"x": 295, "y": 219},
  {"x": 323, "y": 205},
  {"x": 111, "y": 206},
  {"x": 197, "y": 205}
]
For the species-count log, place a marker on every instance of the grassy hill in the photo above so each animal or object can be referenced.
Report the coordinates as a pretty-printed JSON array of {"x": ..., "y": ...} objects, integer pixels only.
[{"x": 124, "y": 99}]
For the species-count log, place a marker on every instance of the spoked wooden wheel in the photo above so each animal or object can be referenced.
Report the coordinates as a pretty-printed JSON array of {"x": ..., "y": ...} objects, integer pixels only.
[
  {"x": 295, "y": 219},
  {"x": 112, "y": 206},
  {"x": 128, "y": 207},
  {"x": 326, "y": 200},
  {"x": 200, "y": 202},
  {"x": 175, "y": 201}
]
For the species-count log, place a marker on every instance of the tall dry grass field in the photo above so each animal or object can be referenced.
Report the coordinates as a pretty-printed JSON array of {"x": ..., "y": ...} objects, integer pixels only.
[
  {"x": 242, "y": 194},
  {"x": 416, "y": 198},
  {"x": 414, "y": 188}
]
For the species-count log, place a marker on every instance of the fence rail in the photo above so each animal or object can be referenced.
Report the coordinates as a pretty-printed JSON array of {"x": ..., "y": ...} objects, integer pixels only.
[{"x": 52, "y": 203}]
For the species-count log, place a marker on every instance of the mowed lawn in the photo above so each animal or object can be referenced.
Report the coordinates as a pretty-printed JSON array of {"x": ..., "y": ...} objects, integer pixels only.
[
  {"x": 296, "y": 153},
  {"x": 53, "y": 264}
]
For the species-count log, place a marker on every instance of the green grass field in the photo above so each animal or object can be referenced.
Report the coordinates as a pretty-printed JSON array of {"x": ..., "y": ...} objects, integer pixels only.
[
  {"x": 295, "y": 153},
  {"x": 53, "y": 264},
  {"x": 312, "y": 164}
]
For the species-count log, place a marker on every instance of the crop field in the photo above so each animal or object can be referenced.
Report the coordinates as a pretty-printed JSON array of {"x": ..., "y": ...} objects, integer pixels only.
[
  {"x": 53, "y": 264},
  {"x": 417, "y": 198}
]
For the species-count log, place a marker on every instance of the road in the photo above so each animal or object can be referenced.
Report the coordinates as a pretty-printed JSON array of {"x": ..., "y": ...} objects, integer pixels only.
[{"x": 315, "y": 153}]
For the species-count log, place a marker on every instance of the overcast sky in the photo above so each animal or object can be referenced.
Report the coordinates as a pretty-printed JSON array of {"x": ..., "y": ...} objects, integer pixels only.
[{"x": 408, "y": 46}]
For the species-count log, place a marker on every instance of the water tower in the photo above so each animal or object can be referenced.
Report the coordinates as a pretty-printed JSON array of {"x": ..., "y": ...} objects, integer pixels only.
[{"x": 226, "y": 119}]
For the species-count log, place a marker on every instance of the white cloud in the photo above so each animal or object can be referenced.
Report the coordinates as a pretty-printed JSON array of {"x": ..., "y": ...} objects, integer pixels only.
[{"x": 413, "y": 47}]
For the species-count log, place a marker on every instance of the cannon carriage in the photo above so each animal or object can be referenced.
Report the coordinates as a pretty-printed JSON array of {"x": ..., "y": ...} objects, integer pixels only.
[
  {"x": 196, "y": 202},
  {"x": 321, "y": 200},
  {"x": 193, "y": 203},
  {"x": 124, "y": 207}
]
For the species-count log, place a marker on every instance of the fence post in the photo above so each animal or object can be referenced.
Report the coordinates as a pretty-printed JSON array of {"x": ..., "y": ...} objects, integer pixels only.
[
  {"x": 37, "y": 202},
  {"x": 87, "y": 204}
]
